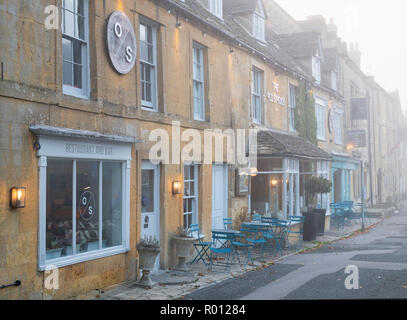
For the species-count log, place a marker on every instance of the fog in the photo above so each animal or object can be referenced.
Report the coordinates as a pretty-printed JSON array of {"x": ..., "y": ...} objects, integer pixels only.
[{"x": 378, "y": 27}]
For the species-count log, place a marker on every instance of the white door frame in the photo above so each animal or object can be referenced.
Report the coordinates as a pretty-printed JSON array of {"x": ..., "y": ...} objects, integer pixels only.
[
  {"x": 225, "y": 191},
  {"x": 147, "y": 165}
]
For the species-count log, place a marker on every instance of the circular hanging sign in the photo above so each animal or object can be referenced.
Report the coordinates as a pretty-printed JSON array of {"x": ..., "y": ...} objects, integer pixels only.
[
  {"x": 121, "y": 42},
  {"x": 331, "y": 119}
]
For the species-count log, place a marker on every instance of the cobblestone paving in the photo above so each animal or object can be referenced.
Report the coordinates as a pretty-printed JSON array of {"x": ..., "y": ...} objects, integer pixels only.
[{"x": 200, "y": 277}]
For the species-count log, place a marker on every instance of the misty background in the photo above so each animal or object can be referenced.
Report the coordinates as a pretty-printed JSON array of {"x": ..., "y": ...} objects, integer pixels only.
[{"x": 378, "y": 27}]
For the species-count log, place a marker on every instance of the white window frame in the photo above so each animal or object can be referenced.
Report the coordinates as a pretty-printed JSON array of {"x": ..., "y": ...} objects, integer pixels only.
[
  {"x": 334, "y": 80},
  {"x": 323, "y": 171},
  {"x": 216, "y": 8},
  {"x": 292, "y": 106},
  {"x": 321, "y": 107},
  {"x": 199, "y": 110},
  {"x": 83, "y": 92},
  {"x": 259, "y": 27},
  {"x": 54, "y": 147},
  {"x": 153, "y": 104},
  {"x": 338, "y": 119},
  {"x": 195, "y": 197},
  {"x": 257, "y": 95},
  {"x": 316, "y": 69}
]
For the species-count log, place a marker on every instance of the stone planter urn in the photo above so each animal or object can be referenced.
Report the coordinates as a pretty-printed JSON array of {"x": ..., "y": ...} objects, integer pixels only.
[
  {"x": 147, "y": 257},
  {"x": 183, "y": 247}
]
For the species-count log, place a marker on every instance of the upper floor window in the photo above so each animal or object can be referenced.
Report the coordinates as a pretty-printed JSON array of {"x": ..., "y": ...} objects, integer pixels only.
[
  {"x": 258, "y": 27},
  {"x": 338, "y": 126},
  {"x": 320, "y": 113},
  {"x": 75, "y": 48},
  {"x": 216, "y": 8},
  {"x": 334, "y": 81},
  {"x": 291, "y": 112},
  {"x": 198, "y": 82},
  {"x": 257, "y": 95},
  {"x": 316, "y": 69},
  {"x": 148, "y": 65}
]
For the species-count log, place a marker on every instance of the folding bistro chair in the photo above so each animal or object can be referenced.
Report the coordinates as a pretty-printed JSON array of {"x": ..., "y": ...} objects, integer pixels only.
[
  {"x": 255, "y": 237},
  {"x": 272, "y": 236},
  {"x": 220, "y": 246},
  {"x": 241, "y": 244},
  {"x": 201, "y": 247},
  {"x": 227, "y": 223}
]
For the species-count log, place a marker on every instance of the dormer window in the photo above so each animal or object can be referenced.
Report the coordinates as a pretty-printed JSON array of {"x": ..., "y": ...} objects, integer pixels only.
[
  {"x": 316, "y": 69},
  {"x": 258, "y": 27},
  {"x": 216, "y": 8}
]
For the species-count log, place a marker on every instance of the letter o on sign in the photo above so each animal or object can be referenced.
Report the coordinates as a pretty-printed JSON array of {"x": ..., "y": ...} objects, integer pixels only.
[{"x": 121, "y": 42}]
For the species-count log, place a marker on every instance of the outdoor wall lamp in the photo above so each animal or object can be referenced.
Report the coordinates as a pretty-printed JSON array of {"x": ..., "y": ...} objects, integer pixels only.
[
  {"x": 17, "y": 197},
  {"x": 254, "y": 172},
  {"x": 176, "y": 187},
  {"x": 274, "y": 182},
  {"x": 178, "y": 24}
]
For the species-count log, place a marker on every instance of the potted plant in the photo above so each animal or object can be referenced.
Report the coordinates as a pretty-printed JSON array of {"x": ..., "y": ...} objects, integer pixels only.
[
  {"x": 183, "y": 243},
  {"x": 317, "y": 186},
  {"x": 148, "y": 249}
]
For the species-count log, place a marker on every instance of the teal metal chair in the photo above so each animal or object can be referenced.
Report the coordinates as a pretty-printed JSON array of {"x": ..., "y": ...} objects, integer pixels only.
[
  {"x": 221, "y": 251},
  {"x": 255, "y": 237},
  {"x": 337, "y": 215},
  {"x": 227, "y": 223},
  {"x": 256, "y": 217},
  {"x": 201, "y": 247},
  {"x": 273, "y": 237},
  {"x": 241, "y": 244}
]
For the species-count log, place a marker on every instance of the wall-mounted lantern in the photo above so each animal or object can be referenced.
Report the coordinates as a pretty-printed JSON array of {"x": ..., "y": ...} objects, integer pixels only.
[
  {"x": 17, "y": 197},
  {"x": 176, "y": 187},
  {"x": 254, "y": 172}
]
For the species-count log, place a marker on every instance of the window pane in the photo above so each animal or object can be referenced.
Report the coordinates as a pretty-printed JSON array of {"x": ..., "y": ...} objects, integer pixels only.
[
  {"x": 59, "y": 209},
  {"x": 112, "y": 205},
  {"x": 77, "y": 76},
  {"x": 67, "y": 49},
  {"x": 69, "y": 4},
  {"x": 77, "y": 52},
  {"x": 186, "y": 189},
  {"x": 69, "y": 27},
  {"x": 147, "y": 192},
  {"x": 87, "y": 211},
  {"x": 80, "y": 27},
  {"x": 67, "y": 73},
  {"x": 80, "y": 7}
]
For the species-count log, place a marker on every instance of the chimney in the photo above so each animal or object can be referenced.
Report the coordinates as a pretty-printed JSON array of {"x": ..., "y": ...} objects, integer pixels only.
[{"x": 355, "y": 54}]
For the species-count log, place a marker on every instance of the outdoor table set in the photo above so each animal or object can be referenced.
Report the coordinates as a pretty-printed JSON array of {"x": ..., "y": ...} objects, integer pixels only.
[{"x": 226, "y": 244}]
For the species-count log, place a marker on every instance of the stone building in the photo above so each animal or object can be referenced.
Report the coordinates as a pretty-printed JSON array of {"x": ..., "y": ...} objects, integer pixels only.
[{"x": 83, "y": 108}]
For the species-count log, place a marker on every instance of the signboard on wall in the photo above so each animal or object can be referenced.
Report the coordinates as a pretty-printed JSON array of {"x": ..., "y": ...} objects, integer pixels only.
[
  {"x": 356, "y": 138},
  {"x": 121, "y": 42},
  {"x": 358, "y": 108}
]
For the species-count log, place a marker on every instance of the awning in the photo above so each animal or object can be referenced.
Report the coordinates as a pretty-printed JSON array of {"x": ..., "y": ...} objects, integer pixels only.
[{"x": 276, "y": 144}]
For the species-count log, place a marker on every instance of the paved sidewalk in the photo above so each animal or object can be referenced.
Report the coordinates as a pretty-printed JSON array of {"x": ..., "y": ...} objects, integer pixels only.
[{"x": 175, "y": 285}]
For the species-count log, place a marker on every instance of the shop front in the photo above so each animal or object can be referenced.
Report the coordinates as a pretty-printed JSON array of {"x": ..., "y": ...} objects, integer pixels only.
[
  {"x": 84, "y": 195},
  {"x": 341, "y": 177},
  {"x": 284, "y": 161}
]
